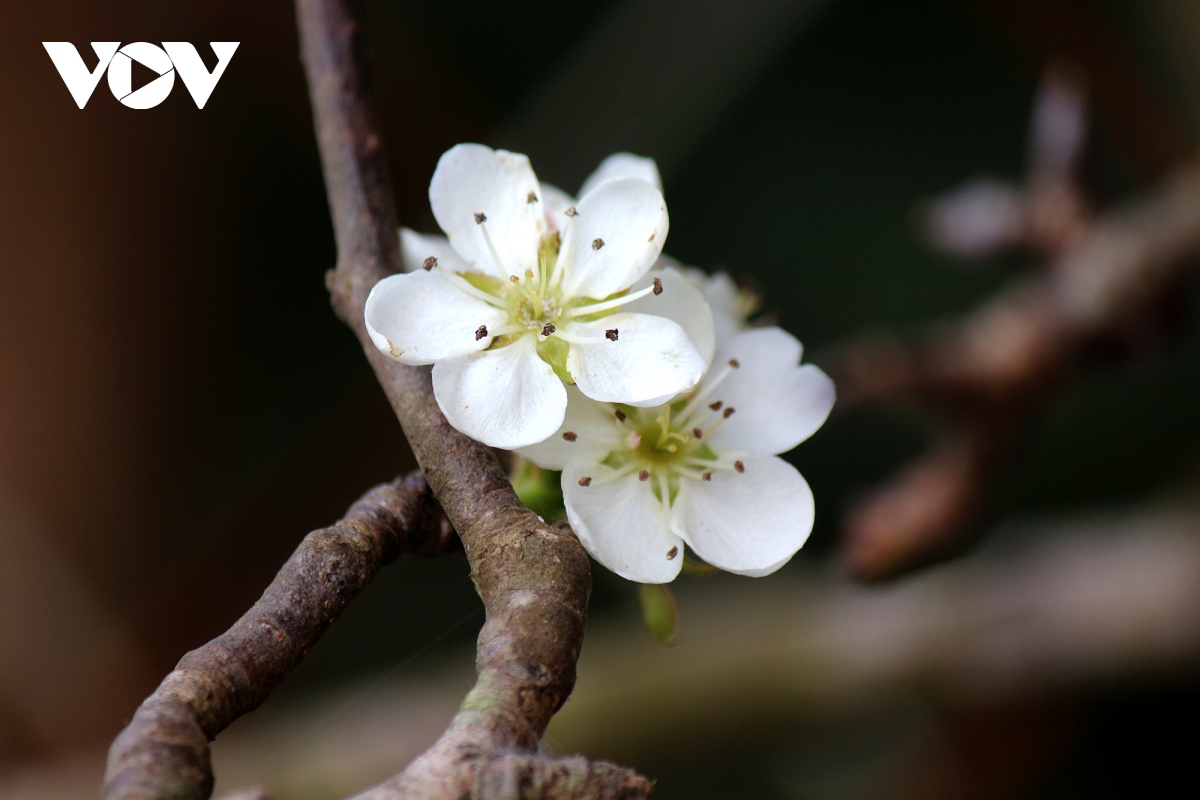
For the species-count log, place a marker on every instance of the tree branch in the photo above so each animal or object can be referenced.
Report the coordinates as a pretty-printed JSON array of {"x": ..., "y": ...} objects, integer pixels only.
[
  {"x": 163, "y": 752},
  {"x": 534, "y": 579}
]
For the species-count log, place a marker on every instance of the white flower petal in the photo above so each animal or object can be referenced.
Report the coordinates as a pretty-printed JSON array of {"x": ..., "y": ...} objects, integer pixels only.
[
  {"x": 421, "y": 317},
  {"x": 416, "y": 247},
  {"x": 778, "y": 402},
  {"x": 472, "y": 179},
  {"x": 555, "y": 203},
  {"x": 621, "y": 523},
  {"x": 751, "y": 522},
  {"x": 765, "y": 571},
  {"x": 614, "y": 238},
  {"x": 623, "y": 165},
  {"x": 506, "y": 397},
  {"x": 725, "y": 299},
  {"x": 651, "y": 358},
  {"x": 680, "y": 302},
  {"x": 594, "y": 426}
]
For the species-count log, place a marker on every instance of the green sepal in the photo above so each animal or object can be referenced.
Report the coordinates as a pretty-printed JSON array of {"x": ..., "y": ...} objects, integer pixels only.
[{"x": 553, "y": 351}]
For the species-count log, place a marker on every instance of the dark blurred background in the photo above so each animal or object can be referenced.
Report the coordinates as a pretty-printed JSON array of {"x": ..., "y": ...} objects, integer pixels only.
[{"x": 179, "y": 406}]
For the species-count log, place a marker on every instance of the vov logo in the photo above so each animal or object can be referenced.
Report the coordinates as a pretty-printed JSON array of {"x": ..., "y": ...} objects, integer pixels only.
[{"x": 164, "y": 61}]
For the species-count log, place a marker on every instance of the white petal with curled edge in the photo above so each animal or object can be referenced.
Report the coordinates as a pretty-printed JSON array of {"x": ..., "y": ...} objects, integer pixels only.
[
  {"x": 679, "y": 302},
  {"x": 555, "y": 203},
  {"x": 652, "y": 358},
  {"x": 416, "y": 247},
  {"x": 778, "y": 402},
  {"x": 614, "y": 238},
  {"x": 623, "y": 165},
  {"x": 751, "y": 522},
  {"x": 507, "y": 397},
  {"x": 621, "y": 523},
  {"x": 472, "y": 179},
  {"x": 596, "y": 434},
  {"x": 421, "y": 317}
]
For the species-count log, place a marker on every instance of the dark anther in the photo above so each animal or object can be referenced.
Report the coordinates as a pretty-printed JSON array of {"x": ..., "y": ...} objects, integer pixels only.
[
  {"x": 429, "y": 263},
  {"x": 716, "y": 406},
  {"x": 729, "y": 412},
  {"x": 706, "y": 477},
  {"x": 597, "y": 243},
  {"x": 531, "y": 198},
  {"x": 480, "y": 217},
  {"x": 571, "y": 212},
  {"x": 699, "y": 434},
  {"x": 480, "y": 332},
  {"x": 739, "y": 466},
  {"x": 733, "y": 362},
  {"x": 620, "y": 415},
  {"x": 658, "y": 285},
  {"x": 548, "y": 329},
  {"x": 644, "y": 475},
  {"x": 585, "y": 481},
  {"x": 569, "y": 436},
  {"x": 674, "y": 551},
  {"x": 611, "y": 334}
]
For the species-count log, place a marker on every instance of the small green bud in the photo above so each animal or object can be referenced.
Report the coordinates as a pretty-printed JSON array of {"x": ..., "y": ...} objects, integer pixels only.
[{"x": 659, "y": 612}]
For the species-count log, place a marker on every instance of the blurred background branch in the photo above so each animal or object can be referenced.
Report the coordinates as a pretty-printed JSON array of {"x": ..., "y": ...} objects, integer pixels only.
[
  {"x": 1066, "y": 608},
  {"x": 1107, "y": 276}
]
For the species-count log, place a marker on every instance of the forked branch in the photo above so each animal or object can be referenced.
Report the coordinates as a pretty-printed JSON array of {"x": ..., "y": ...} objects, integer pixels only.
[{"x": 163, "y": 752}]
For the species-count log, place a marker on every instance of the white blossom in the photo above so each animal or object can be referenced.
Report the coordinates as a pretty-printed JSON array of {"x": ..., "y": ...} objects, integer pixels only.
[
  {"x": 731, "y": 305},
  {"x": 701, "y": 471},
  {"x": 518, "y": 298}
]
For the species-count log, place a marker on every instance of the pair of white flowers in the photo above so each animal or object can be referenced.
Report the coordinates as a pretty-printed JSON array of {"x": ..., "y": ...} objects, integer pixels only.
[{"x": 555, "y": 329}]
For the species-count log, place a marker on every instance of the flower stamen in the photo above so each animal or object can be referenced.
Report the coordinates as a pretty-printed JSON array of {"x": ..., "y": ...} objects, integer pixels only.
[
  {"x": 481, "y": 221},
  {"x": 703, "y": 394},
  {"x": 605, "y": 305},
  {"x": 572, "y": 338},
  {"x": 462, "y": 283}
]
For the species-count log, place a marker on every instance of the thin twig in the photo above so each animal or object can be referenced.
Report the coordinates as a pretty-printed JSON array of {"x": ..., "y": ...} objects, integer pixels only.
[{"x": 163, "y": 752}]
